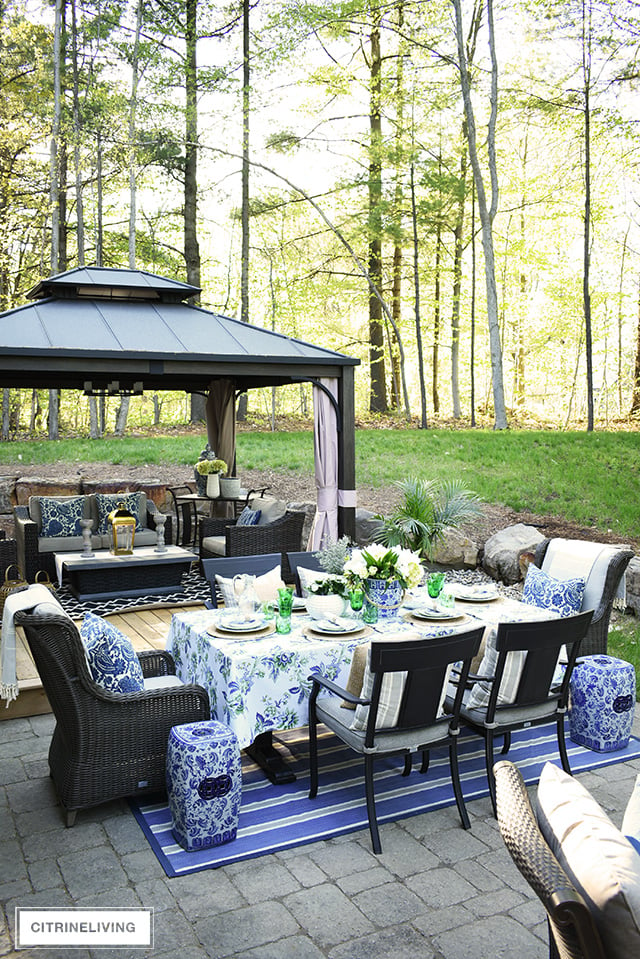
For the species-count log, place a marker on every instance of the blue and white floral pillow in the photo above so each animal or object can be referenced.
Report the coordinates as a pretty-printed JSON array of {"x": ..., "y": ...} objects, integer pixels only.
[
  {"x": 249, "y": 517},
  {"x": 563, "y": 596},
  {"x": 62, "y": 517},
  {"x": 107, "y": 502},
  {"x": 110, "y": 655}
]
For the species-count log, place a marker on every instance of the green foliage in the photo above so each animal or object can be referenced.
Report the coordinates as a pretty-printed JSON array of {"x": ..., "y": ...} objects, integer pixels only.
[
  {"x": 334, "y": 555},
  {"x": 428, "y": 510}
]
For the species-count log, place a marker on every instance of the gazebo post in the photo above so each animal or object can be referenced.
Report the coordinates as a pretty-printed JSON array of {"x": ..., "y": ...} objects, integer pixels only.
[{"x": 347, "y": 455}]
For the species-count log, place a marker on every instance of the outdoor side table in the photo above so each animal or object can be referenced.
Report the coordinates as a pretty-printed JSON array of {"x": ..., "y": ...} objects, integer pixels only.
[
  {"x": 602, "y": 703},
  {"x": 204, "y": 784}
]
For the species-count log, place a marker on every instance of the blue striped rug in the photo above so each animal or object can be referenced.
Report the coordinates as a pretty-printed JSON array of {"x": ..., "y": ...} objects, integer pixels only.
[{"x": 280, "y": 817}]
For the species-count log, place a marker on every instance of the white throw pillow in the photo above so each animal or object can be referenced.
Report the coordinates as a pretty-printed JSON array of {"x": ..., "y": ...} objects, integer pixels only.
[
  {"x": 599, "y": 860},
  {"x": 266, "y": 587},
  {"x": 307, "y": 576}
]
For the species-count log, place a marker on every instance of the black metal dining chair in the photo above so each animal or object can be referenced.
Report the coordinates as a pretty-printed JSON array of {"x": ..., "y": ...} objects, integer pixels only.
[
  {"x": 535, "y": 698},
  {"x": 230, "y": 566},
  {"x": 420, "y": 723}
]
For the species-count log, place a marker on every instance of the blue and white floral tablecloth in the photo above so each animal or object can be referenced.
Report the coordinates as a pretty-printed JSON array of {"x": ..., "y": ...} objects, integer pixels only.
[{"x": 260, "y": 684}]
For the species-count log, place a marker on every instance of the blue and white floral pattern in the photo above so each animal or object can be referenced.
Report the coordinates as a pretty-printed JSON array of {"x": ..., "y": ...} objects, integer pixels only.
[
  {"x": 107, "y": 502},
  {"x": 562, "y": 596},
  {"x": 204, "y": 784},
  {"x": 386, "y": 595},
  {"x": 62, "y": 517},
  {"x": 602, "y": 703},
  {"x": 256, "y": 685},
  {"x": 110, "y": 655}
]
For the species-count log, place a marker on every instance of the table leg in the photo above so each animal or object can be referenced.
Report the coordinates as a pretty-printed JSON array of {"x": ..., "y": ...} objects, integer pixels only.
[{"x": 264, "y": 753}]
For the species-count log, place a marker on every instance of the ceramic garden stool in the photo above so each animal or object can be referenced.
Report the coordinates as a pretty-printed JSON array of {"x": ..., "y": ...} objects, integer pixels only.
[
  {"x": 602, "y": 702},
  {"x": 204, "y": 784}
]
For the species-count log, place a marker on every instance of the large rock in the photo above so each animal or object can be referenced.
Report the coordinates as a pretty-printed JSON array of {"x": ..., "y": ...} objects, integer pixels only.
[
  {"x": 502, "y": 552},
  {"x": 632, "y": 584},
  {"x": 457, "y": 550},
  {"x": 366, "y": 526}
]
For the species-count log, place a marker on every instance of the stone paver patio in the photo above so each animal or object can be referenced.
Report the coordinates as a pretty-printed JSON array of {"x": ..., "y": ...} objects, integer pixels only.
[{"x": 436, "y": 892}]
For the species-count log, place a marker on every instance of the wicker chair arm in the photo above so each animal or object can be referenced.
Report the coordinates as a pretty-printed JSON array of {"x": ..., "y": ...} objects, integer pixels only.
[
  {"x": 281, "y": 536},
  {"x": 157, "y": 662},
  {"x": 26, "y": 534},
  {"x": 213, "y": 526}
]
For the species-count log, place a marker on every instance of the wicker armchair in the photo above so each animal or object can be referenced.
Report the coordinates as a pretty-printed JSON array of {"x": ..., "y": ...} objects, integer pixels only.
[
  {"x": 596, "y": 639},
  {"x": 281, "y": 536},
  {"x": 105, "y": 745},
  {"x": 572, "y": 931},
  {"x": 31, "y": 559}
]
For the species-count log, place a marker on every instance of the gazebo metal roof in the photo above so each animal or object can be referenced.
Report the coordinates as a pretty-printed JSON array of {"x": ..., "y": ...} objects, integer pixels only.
[{"x": 103, "y": 326}]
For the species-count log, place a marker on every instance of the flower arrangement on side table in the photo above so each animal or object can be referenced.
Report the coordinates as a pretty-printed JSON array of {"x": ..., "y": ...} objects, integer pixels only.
[
  {"x": 384, "y": 574},
  {"x": 211, "y": 469}
]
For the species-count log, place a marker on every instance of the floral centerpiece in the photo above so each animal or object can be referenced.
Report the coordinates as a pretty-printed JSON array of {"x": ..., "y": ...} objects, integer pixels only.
[
  {"x": 329, "y": 593},
  {"x": 384, "y": 574},
  {"x": 211, "y": 469}
]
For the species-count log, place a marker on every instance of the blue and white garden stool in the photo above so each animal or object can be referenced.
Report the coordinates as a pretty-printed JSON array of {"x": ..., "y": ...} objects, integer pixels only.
[
  {"x": 602, "y": 703},
  {"x": 204, "y": 784}
]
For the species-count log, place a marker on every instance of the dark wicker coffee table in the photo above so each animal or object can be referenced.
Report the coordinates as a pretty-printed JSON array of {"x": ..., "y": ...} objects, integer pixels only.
[{"x": 145, "y": 571}]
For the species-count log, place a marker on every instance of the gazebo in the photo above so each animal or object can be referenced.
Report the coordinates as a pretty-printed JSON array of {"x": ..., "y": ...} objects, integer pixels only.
[{"x": 118, "y": 331}]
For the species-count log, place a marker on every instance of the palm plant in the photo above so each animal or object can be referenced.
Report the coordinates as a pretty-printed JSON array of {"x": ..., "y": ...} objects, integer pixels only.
[{"x": 428, "y": 511}]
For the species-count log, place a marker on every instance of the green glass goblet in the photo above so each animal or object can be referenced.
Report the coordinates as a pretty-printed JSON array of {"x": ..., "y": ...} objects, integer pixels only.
[
  {"x": 356, "y": 601},
  {"x": 435, "y": 582}
]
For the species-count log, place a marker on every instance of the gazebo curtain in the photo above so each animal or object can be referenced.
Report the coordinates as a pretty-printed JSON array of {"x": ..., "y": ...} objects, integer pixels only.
[
  {"x": 221, "y": 421},
  {"x": 325, "y": 524}
]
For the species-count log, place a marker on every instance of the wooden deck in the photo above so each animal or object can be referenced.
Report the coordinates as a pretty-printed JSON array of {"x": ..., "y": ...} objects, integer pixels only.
[{"x": 147, "y": 629}]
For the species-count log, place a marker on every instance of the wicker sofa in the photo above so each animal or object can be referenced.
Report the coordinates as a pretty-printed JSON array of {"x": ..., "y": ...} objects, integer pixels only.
[{"x": 36, "y": 549}]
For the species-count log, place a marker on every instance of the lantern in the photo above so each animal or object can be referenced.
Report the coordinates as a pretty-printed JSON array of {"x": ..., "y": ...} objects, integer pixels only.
[{"x": 123, "y": 527}]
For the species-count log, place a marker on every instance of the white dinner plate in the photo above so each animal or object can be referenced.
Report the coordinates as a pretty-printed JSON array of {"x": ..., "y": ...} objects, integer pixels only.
[
  {"x": 252, "y": 625},
  {"x": 436, "y": 615},
  {"x": 337, "y": 627},
  {"x": 474, "y": 594}
]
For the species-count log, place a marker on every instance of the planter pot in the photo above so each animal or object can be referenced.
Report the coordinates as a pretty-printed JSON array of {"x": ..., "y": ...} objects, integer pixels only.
[
  {"x": 213, "y": 485},
  {"x": 319, "y": 607},
  {"x": 386, "y": 595},
  {"x": 229, "y": 486}
]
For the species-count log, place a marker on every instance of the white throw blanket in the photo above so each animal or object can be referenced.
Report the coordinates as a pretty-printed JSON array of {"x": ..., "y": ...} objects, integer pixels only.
[
  {"x": 566, "y": 559},
  {"x": 24, "y": 599}
]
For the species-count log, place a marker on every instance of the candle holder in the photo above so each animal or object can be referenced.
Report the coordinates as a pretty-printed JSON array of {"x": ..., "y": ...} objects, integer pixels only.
[
  {"x": 160, "y": 519},
  {"x": 87, "y": 552}
]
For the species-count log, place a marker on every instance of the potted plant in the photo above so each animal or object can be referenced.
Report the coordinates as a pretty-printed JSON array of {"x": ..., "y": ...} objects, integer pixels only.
[
  {"x": 328, "y": 595},
  {"x": 230, "y": 486},
  {"x": 384, "y": 574},
  {"x": 429, "y": 509},
  {"x": 211, "y": 469}
]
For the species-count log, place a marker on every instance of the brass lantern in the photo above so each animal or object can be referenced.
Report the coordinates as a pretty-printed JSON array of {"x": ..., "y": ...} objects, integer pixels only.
[{"x": 123, "y": 527}]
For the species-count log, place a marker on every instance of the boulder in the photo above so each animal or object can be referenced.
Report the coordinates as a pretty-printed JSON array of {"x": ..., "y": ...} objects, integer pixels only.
[
  {"x": 502, "y": 552},
  {"x": 366, "y": 526},
  {"x": 632, "y": 584},
  {"x": 457, "y": 550},
  {"x": 309, "y": 509}
]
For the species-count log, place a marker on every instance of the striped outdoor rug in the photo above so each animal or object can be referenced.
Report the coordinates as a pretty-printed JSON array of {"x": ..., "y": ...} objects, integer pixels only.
[{"x": 280, "y": 817}]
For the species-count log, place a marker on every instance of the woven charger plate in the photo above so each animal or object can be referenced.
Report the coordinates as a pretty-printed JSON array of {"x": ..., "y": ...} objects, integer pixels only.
[
  {"x": 265, "y": 630},
  {"x": 310, "y": 633}
]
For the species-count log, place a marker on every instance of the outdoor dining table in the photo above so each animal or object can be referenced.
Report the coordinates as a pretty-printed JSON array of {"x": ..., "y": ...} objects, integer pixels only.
[{"x": 259, "y": 684}]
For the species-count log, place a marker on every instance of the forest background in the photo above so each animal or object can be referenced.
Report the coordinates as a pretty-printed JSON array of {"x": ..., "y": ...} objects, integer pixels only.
[{"x": 446, "y": 189}]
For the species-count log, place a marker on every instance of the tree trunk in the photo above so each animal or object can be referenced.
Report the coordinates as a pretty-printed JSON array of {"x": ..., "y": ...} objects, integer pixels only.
[
  {"x": 76, "y": 137},
  {"x": 99, "y": 202},
  {"x": 487, "y": 212},
  {"x": 241, "y": 409},
  {"x": 378, "y": 392},
  {"x": 635, "y": 396},
  {"x": 54, "y": 413},
  {"x": 121, "y": 415},
  {"x": 6, "y": 413},
  {"x": 94, "y": 425},
  {"x": 416, "y": 286},
  {"x": 458, "y": 243},
  {"x": 191, "y": 246},
  {"x": 436, "y": 320},
  {"x": 133, "y": 107},
  {"x": 586, "y": 68}
]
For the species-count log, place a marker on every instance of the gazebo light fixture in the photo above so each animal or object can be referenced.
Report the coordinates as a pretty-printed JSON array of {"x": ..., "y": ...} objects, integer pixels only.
[{"x": 113, "y": 389}]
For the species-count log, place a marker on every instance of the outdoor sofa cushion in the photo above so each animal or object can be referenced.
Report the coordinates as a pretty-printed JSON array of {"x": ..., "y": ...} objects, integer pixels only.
[
  {"x": 598, "y": 858},
  {"x": 52, "y": 539}
]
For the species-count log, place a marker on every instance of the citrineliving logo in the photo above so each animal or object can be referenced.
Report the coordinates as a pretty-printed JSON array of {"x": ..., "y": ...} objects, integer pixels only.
[{"x": 75, "y": 927}]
